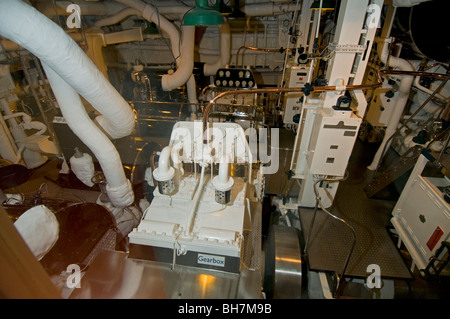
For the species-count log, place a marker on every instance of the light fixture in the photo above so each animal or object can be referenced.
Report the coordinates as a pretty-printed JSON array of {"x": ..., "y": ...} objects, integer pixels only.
[{"x": 203, "y": 15}]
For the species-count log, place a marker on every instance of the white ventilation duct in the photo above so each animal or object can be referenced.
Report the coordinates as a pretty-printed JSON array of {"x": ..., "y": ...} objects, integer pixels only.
[{"x": 70, "y": 71}]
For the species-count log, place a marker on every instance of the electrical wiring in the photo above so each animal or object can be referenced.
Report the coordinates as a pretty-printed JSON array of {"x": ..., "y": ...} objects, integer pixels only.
[{"x": 318, "y": 205}]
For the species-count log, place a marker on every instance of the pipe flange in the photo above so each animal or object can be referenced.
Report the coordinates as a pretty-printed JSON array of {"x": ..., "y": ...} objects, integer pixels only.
[
  {"x": 161, "y": 175},
  {"x": 220, "y": 186}
]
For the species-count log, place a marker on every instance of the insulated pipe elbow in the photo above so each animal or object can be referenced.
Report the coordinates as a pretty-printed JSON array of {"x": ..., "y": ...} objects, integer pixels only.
[
  {"x": 186, "y": 65},
  {"x": 118, "y": 17},
  {"x": 41, "y": 127},
  {"x": 225, "y": 51},
  {"x": 150, "y": 14},
  {"x": 164, "y": 172},
  {"x": 33, "y": 31}
]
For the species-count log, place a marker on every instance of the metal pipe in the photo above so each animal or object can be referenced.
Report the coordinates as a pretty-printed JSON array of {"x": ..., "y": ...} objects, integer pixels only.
[
  {"x": 317, "y": 89},
  {"x": 409, "y": 119},
  {"x": 281, "y": 50}
]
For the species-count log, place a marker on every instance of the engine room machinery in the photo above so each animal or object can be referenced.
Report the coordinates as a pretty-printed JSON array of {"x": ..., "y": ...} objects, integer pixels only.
[{"x": 200, "y": 149}]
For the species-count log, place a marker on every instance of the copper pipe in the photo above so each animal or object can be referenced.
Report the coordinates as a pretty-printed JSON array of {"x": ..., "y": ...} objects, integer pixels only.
[
  {"x": 415, "y": 73},
  {"x": 281, "y": 50},
  {"x": 318, "y": 88}
]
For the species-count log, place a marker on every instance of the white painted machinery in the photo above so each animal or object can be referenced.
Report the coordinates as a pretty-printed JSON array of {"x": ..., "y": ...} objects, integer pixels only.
[{"x": 201, "y": 208}]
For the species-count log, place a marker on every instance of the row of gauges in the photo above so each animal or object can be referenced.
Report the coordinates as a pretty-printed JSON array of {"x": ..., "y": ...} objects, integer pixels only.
[{"x": 234, "y": 78}]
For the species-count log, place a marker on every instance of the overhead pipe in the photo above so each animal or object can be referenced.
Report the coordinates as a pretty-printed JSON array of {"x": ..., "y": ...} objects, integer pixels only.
[
  {"x": 118, "y": 17},
  {"x": 268, "y": 9},
  {"x": 184, "y": 59},
  {"x": 150, "y": 14},
  {"x": 280, "y": 50},
  {"x": 87, "y": 8}
]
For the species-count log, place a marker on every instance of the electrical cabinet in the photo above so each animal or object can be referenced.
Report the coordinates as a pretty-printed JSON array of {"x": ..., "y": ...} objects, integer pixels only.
[
  {"x": 422, "y": 215},
  {"x": 331, "y": 147}
]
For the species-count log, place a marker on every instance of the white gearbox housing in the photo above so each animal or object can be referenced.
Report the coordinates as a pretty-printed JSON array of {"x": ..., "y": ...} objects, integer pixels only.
[{"x": 190, "y": 226}]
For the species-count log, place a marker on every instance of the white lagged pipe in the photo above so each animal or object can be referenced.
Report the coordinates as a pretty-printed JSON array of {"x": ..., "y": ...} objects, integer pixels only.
[
  {"x": 268, "y": 9},
  {"x": 186, "y": 65},
  {"x": 15, "y": 134},
  {"x": 118, "y": 188},
  {"x": 182, "y": 75},
  {"x": 29, "y": 28},
  {"x": 118, "y": 17},
  {"x": 225, "y": 51},
  {"x": 403, "y": 95},
  {"x": 150, "y": 14}
]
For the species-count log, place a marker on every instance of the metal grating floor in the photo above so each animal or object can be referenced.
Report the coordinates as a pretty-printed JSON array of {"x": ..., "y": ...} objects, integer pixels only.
[{"x": 331, "y": 239}]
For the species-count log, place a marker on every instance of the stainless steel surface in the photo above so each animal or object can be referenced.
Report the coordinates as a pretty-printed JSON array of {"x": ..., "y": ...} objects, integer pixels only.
[
  {"x": 287, "y": 263},
  {"x": 113, "y": 275}
]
